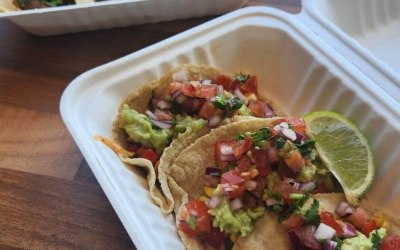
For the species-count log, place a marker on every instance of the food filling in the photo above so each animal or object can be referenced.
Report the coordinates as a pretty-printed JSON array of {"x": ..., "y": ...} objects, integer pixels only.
[
  {"x": 187, "y": 106},
  {"x": 278, "y": 169}
]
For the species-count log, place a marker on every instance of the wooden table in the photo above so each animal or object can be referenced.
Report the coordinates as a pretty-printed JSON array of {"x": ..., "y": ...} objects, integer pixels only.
[{"x": 49, "y": 198}]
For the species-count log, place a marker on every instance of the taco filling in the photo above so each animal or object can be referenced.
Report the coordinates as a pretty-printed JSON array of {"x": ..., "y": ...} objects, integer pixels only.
[
  {"x": 276, "y": 170},
  {"x": 188, "y": 105}
]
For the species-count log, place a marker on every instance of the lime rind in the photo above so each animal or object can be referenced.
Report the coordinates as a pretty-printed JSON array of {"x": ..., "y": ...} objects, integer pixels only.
[{"x": 335, "y": 137}]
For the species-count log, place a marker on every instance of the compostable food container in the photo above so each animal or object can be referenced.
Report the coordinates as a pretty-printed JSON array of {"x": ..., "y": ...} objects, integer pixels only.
[
  {"x": 111, "y": 14},
  {"x": 298, "y": 67}
]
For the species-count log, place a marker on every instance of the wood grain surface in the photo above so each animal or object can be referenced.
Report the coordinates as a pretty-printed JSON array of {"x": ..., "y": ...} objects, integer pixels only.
[{"x": 49, "y": 198}]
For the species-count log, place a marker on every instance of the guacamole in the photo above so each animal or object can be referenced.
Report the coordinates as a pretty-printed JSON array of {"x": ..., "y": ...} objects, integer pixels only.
[
  {"x": 361, "y": 242},
  {"x": 235, "y": 222},
  {"x": 140, "y": 129}
]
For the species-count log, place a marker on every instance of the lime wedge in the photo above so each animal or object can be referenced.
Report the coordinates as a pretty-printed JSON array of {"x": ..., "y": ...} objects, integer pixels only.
[{"x": 344, "y": 150}]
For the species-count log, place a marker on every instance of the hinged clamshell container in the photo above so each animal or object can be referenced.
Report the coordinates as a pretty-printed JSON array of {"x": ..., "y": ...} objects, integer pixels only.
[{"x": 301, "y": 68}]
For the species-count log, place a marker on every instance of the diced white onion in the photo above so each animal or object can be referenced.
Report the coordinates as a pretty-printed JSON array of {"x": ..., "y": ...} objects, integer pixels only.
[
  {"x": 226, "y": 150},
  {"x": 236, "y": 204},
  {"x": 330, "y": 245},
  {"x": 213, "y": 202},
  {"x": 324, "y": 232},
  {"x": 159, "y": 124},
  {"x": 206, "y": 82},
  {"x": 180, "y": 99},
  {"x": 289, "y": 134},
  {"x": 151, "y": 115},
  {"x": 214, "y": 121},
  {"x": 239, "y": 94},
  {"x": 250, "y": 185},
  {"x": 162, "y": 104},
  {"x": 348, "y": 231}
]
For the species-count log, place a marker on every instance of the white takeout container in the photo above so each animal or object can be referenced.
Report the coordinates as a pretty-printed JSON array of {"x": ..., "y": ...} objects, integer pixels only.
[
  {"x": 295, "y": 65},
  {"x": 113, "y": 13}
]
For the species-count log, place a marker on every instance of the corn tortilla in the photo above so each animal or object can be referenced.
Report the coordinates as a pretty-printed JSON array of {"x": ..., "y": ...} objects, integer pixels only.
[
  {"x": 139, "y": 100},
  {"x": 185, "y": 179}
]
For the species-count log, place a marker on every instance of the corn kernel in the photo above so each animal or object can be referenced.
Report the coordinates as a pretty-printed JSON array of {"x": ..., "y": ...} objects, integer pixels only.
[{"x": 208, "y": 191}]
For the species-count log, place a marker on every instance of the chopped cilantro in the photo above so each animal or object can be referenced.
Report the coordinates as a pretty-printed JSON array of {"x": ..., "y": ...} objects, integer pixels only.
[
  {"x": 306, "y": 148},
  {"x": 262, "y": 134},
  {"x": 239, "y": 137},
  {"x": 311, "y": 215},
  {"x": 280, "y": 143},
  {"x": 227, "y": 105},
  {"x": 241, "y": 77},
  {"x": 375, "y": 240},
  {"x": 219, "y": 101}
]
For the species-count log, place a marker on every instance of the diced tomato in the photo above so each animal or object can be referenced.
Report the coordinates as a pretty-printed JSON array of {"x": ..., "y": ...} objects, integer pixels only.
[
  {"x": 235, "y": 85},
  {"x": 233, "y": 191},
  {"x": 224, "y": 81},
  {"x": 243, "y": 164},
  {"x": 296, "y": 161},
  {"x": 284, "y": 189},
  {"x": 232, "y": 177},
  {"x": 250, "y": 85},
  {"x": 368, "y": 226},
  {"x": 173, "y": 87},
  {"x": 297, "y": 123},
  {"x": 197, "y": 104},
  {"x": 358, "y": 217},
  {"x": 192, "y": 105},
  {"x": 207, "y": 110},
  {"x": 148, "y": 154},
  {"x": 241, "y": 146},
  {"x": 294, "y": 221},
  {"x": 257, "y": 108},
  {"x": 216, "y": 238},
  {"x": 261, "y": 161},
  {"x": 284, "y": 171},
  {"x": 197, "y": 210},
  {"x": 189, "y": 89},
  {"x": 208, "y": 91},
  {"x": 327, "y": 219},
  {"x": 390, "y": 242}
]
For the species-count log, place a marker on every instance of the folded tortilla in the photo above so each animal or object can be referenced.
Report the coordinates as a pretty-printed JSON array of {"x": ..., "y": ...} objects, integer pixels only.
[
  {"x": 139, "y": 100},
  {"x": 186, "y": 181}
]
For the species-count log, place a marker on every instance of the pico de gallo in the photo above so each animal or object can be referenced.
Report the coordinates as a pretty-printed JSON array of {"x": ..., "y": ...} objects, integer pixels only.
[
  {"x": 186, "y": 106},
  {"x": 278, "y": 169}
]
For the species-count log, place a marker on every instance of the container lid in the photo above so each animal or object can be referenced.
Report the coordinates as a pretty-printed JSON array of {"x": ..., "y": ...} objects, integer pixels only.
[{"x": 366, "y": 33}]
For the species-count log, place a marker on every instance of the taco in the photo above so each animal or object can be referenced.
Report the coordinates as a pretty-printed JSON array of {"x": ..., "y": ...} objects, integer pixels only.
[
  {"x": 259, "y": 184},
  {"x": 156, "y": 122}
]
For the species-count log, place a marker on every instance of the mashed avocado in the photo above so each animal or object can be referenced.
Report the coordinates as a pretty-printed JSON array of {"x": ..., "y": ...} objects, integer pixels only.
[
  {"x": 360, "y": 242},
  {"x": 186, "y": 125},
  {"x": 235, "y": 222},
  {"x": 307, "y": 173},
  {"x": 139, "y": 128},
  {"x": 245, "y": 111}
]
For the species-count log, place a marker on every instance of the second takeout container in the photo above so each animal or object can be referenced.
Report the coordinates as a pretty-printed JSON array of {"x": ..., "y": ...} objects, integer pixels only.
[
  {"x": 297, "y": 66},
  {"x": 113, "y": 13}
]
